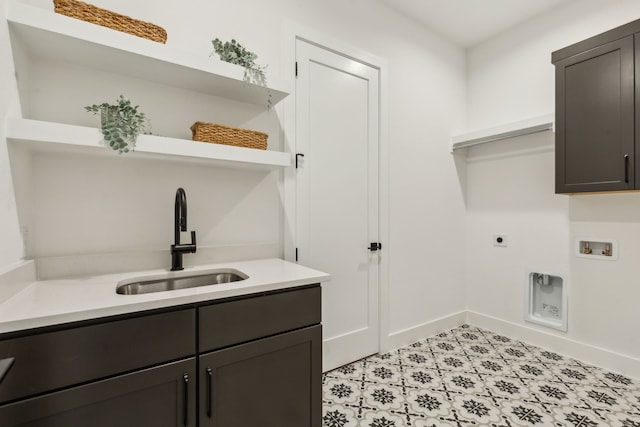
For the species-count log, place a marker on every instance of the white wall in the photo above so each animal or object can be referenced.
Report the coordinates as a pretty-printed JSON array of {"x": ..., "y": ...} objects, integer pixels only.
[
  {"x": 124, "y": 205},
  {"x": 505, "y": 187},
  {"x": 511, "y": 191},
  {"x": 11, "y": 246},
  {"x": 426, "y": 204}
]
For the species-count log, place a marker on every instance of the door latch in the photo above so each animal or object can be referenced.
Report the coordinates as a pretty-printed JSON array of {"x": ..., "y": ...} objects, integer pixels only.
[{"x": 375, "y": 246}]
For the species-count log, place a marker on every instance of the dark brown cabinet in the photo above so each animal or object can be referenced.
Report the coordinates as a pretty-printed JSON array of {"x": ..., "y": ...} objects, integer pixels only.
[
  {"x": 164, "y": 396},
  {"x": 272, "y": 382},
  {"x": 261, "y": 360},
  {"x": 257, "y": 362},
  {"x": 59, "y": 358},
  {"x": 595, "y": 113}
]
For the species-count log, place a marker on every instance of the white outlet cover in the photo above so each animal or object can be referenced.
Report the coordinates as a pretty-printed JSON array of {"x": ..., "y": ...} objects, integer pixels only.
[{"x": 500, "y": 240}]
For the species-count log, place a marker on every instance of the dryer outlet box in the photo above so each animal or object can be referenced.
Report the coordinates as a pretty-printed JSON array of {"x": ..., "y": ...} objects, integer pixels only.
[{"x": 500, "y": 240}]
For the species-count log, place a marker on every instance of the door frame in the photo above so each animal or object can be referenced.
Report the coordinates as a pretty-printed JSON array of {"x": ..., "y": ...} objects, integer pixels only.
[{"x": 291, "y": 33}]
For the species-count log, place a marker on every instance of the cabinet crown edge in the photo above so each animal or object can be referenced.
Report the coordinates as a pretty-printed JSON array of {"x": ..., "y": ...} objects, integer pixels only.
[{"x": 595, "y": 41}]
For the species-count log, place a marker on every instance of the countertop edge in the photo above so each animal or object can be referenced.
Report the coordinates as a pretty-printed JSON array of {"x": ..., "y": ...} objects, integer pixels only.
[{"x": 128, "y": 304}]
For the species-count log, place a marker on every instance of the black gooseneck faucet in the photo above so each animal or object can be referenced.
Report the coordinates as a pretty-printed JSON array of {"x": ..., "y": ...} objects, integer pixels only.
[{"x": 180, "y": 224}]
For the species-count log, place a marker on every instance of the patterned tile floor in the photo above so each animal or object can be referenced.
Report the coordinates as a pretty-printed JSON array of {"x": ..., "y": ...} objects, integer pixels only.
[{"x": 470, "y": 376}]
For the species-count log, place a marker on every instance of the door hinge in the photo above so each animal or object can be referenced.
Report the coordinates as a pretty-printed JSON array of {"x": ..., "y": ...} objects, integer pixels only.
[
  {"x": 296, "y": 68},
  {"x": 298, "y": 155},
  {"x": 296, "y": 254}
]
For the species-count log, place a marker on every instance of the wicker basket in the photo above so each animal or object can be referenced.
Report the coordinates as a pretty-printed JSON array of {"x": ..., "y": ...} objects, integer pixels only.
[
  {"x": 90, "y": 13},
  {"x": 220, "y": 134}
]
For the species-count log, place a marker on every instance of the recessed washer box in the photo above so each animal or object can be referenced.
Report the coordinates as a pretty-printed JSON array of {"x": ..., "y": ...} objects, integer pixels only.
[
  {"x": 597, "y": 248},
  {"x": 546, "y": 300}
]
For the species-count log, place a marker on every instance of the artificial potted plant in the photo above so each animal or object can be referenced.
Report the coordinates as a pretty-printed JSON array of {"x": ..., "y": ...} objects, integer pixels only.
[
  {"x": 120, "y": 123},
  {"x": 235, "y": 53}
]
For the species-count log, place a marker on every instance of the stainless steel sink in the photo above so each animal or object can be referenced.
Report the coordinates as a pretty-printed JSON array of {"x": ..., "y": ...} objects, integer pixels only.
[{"x": 172, "y": 283}]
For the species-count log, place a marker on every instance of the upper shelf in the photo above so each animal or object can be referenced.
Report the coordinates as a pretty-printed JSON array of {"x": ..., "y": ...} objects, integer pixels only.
[
  {"x": 49, "y": 136},
  {"x": 52, "y": 35},
  {"x": 498, "y": 133}
]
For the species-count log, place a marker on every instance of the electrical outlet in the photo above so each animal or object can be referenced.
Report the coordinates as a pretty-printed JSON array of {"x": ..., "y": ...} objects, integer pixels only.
[{"x": 500, "y": 240}]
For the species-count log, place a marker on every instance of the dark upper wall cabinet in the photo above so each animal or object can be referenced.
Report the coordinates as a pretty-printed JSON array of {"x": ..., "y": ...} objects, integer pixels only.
[{"x": 595, "y": 113}]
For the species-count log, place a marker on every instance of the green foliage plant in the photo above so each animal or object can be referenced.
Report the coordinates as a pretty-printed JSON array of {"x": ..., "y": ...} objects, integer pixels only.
[
  {"x": 121, "y": 123},
  {"x": 235, "y": 53}
]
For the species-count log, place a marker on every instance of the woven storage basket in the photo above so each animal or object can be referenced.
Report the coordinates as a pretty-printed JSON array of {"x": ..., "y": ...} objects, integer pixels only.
[
  {"x": 90, "y": 13},
  {"x": 220, "y": 134}
]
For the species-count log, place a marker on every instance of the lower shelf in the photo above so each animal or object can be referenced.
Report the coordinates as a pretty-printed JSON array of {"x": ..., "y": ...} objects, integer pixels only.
[{"x": 48, "y": 136}]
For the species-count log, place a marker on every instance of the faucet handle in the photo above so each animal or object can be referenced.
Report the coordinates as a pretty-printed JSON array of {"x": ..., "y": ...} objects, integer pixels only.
[{"x": 193, "y": 239}]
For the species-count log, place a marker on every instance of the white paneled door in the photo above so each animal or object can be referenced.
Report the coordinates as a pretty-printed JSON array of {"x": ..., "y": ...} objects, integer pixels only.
[{"x": 337, "y": 114}]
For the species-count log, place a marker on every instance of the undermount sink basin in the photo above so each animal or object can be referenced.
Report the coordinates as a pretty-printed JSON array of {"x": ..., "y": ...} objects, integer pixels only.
[{"x": 172, "y": 283}]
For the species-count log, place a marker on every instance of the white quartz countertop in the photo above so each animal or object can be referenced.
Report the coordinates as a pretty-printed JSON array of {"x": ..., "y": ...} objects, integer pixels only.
[{"x": 51, "y": 302}]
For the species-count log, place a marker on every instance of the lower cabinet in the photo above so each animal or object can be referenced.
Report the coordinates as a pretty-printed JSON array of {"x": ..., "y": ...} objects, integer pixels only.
[
  {"x": 163, "y": 396},
  {"x": 272, "y": 382},
  {"x": 256, "y": 362}
]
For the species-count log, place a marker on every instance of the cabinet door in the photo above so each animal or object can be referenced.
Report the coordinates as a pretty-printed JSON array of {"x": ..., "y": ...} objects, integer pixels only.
[
  {"x": 595, "y": 119},
  {"x": 160, "y": 397},
  {"x": 272, "y": 382}
]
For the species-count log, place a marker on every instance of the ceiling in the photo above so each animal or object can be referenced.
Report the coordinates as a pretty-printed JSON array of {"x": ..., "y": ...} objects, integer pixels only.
[{"x": 469, "y": 22}]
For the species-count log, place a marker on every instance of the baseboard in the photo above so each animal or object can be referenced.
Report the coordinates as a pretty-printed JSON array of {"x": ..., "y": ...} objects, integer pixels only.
[
  {"x": 593, "y": 355},
  {"x": 14, "y": 278},
  {"x": 422, "y": 331},
  {"x": 609, "y": 360}
]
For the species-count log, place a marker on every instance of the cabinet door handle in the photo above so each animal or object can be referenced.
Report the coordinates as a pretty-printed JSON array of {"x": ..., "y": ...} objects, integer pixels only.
[
  {"x": 185, "y": 414},
  {"x": 209, "y": 396},
  {"x": 626, "y": 168},
  {"x": 5, "y": 365}
]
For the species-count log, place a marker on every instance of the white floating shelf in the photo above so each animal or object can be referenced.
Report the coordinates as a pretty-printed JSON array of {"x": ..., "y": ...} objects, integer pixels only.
[
  {"x": 51, "y": 35},
  {"x": 47, "y": 136},
  {"x": 498, "y": 133}
]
